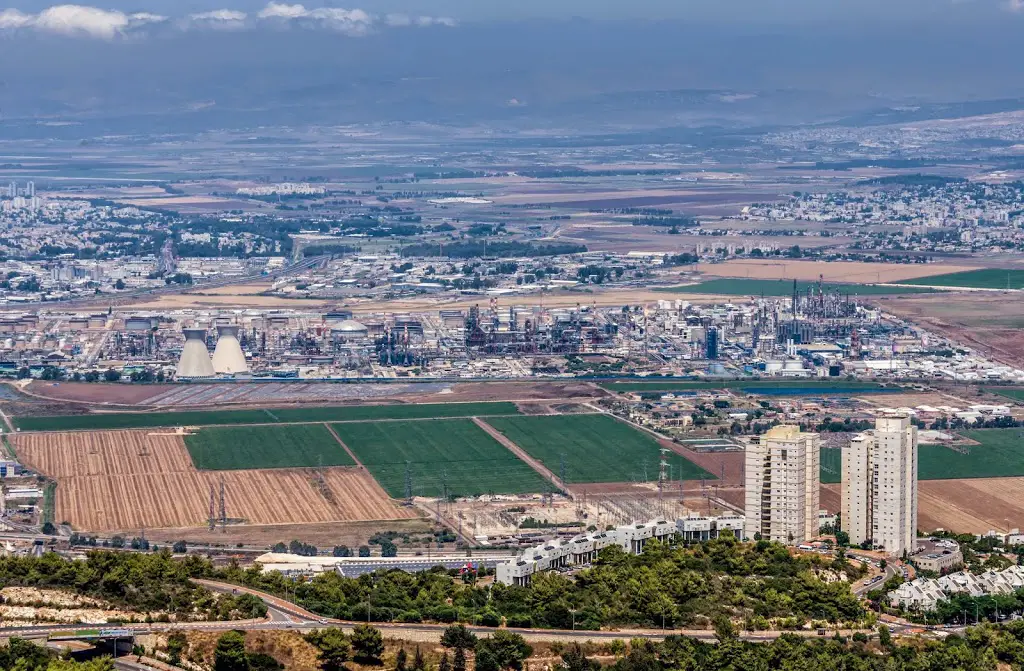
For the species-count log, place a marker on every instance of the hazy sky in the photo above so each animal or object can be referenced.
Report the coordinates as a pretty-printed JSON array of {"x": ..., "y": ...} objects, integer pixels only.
[{"x": 771, "y": 11}]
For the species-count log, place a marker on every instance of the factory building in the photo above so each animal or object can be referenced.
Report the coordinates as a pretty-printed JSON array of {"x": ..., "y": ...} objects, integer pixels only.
[
  {"x": 880, "y": 486},
  {"x": 632, "y": 538},
  {"x": 195, "y": 360},
  {"x": 782, "y": 482}
]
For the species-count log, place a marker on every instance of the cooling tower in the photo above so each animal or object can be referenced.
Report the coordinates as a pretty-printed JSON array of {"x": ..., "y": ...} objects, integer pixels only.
[
  {"x": 228, "y": 357},
  {"x": 195, "y": 358}
]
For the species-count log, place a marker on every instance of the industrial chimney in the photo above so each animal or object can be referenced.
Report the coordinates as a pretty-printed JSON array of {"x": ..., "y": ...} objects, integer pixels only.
[
  {"x": 228, "y": 357},
  {"x": 195, "y": 358}
]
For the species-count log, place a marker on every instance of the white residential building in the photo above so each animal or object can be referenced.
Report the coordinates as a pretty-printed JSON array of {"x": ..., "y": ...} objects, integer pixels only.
[
  {"x": 782, "y": 483},
  {"x": 879, "y": 500}
]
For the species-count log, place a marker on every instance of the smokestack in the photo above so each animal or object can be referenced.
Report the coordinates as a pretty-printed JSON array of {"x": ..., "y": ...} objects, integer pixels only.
[
  {"x": 228, "y": 357},
  {"x": 195, "y": 358}
]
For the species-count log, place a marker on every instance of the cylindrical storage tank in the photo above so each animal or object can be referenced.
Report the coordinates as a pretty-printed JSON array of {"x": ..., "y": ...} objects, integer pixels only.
[
  {"x": 195, "y": 358},
  {"x": 227, "y": 356}
]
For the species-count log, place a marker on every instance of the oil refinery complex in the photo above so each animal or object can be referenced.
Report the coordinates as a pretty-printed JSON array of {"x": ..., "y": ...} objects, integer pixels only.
[{"x": 810, "y": 334}]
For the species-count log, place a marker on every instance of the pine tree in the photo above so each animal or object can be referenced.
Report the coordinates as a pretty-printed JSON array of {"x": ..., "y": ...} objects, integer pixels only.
[
  {"x": 445, "y": 664},
  {"x": 400, "y": 659},
  {"x": 460, "y": 660},
  {"x": 417, "y": 661}
]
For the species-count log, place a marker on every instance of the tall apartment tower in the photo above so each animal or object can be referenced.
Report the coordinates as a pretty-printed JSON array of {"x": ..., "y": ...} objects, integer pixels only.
[
  {"x": 880, "y": 487},
  {"x": 782, "y": 483}
]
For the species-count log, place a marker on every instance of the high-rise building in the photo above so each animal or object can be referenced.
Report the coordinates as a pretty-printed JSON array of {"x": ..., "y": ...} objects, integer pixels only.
[
  {"x": 880, "y": 487},
  {"x": 712, "y": 344},
  {"x": 782, "y": 483}
]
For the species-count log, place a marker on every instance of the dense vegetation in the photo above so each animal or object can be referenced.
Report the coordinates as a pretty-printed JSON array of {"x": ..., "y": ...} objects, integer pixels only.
[
  {"x": 980, "y": 649},
  {"x": 759, "y": 584},
  {"x": 21, "y": 655},
  {"x": 145, "y": 583}
]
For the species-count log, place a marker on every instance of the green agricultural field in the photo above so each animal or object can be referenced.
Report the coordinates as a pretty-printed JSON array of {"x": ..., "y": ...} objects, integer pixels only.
[
  {"x": 763, "y": 386},
  {"x": 221, "y": 448},
  {"x": 986, "y": 278},
  {"x": 831, "y": 465},
  {"x": 751, "y": 287},
  {"x": 1000, "y": 454},
  {"x": 1015, "y": 393},
  {"x": 146, "y": 420},
  {"x": 595, "y": 448},
  {"x": 452, "y": 451}
]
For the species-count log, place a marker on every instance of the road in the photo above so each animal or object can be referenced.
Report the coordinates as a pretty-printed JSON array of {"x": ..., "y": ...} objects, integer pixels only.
[{"x": 284, "y": 615}]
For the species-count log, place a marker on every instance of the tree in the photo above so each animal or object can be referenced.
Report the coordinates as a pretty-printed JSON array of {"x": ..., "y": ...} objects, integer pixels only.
[
  {"x": 119, "y": 285},
  {"x": 230, "y": 655},
  {"x": 342, "y": 551},
  {"x": 884, "y": 637},
  {"x": 49, "y": 529},
  {"x": 400, "y": 659},
  {"x": 388, "y": 549},
  {"x": 180, "y": 547},
  {"x": 724, "y": 629},
  {"x": 177, "y": 643},
  {"x": 458, "y": 636},
  {"x": 112, "y": 375},
  {"x": 573, "y": 659},
  {"x": 333, "y": 647},
  {"x": 364, "y": 550},
  {"x": 279, "y": 548},
  {"x": 367, "y": 642},
  {"x": 502, "y": 650},
  {"x": 459, "y": 661},
  {"x": 418, "y": 663}
]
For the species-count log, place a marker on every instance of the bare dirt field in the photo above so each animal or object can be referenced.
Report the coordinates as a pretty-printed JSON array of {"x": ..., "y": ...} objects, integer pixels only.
[
  {"x": 964, "y": 506},
  {"x": 512, "y": 391},
  {"x": 326, "y": 534},
  {"x": 129, "y": 480},
  {"x": 991, "y": 322},
  {"x": 104, "y": 394},
  {"x": 833, "y": 271}
]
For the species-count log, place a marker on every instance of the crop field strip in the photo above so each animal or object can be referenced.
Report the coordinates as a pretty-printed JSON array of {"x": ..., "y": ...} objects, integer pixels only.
[
  {"x": 266, "y": 446},
  {"x": 596, "y": 448},
  {"x": 144, "y": 420},
  {"x": 985, "y": 278},
  {"x": 776, "y": 288},
  {"x": 452, "y": 451},
  {"x": 129, "y": 480}
]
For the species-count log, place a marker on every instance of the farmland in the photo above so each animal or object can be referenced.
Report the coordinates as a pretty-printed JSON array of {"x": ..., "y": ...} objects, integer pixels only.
[
  {"x": 142, "y": 420},
  {"x": 595, "y": 448},
  {"x": 833, "y": 272},
  {"x": 130, "y": 480},
  {"x": 985, "y": 278},
  {"x": 745, "y": 287},
  {"x": 267, "y": 446},
  {"x": 1016, "y": 393},
  {"x": 753, "y": 386},
  {"x": 452, "y": 451},
  {"x": 1000, "y": 454}
]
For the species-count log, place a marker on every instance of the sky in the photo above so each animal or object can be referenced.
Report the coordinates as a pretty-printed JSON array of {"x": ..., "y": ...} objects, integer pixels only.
[{"x": 477, "y": 59}]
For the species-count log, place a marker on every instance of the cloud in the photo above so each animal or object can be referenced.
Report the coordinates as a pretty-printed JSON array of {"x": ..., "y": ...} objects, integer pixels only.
[
  {"x": 87, "y": 21},
  {"x": 348, "y": 21}
]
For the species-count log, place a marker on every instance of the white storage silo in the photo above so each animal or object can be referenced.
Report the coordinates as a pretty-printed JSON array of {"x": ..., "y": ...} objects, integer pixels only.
[
  {"x": 195, "y": 358},
  {"x": 227, "y": 356}
]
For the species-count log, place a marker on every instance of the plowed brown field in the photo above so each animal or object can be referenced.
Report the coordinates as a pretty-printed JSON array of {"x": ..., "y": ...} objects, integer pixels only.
[{"x": 125, "y": 480}]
